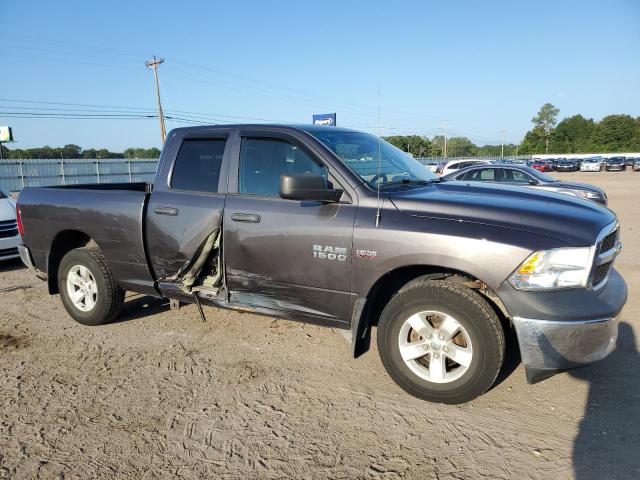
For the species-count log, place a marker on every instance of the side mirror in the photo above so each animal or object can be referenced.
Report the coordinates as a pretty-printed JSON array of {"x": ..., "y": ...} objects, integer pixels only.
[
  {"x": 307, "y": 187},
  {"x": 533, "y": 182}
]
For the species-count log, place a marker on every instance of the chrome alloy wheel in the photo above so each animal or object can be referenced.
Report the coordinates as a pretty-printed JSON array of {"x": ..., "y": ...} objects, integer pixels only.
[
  {"x": 82, "y": 288},
  {"x": 435, "y": 346}
]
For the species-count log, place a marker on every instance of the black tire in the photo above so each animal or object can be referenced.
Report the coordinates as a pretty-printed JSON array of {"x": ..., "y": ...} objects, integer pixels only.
[
  {"x": 471, "y": 311},
  {"x": 110, "y": 297}
]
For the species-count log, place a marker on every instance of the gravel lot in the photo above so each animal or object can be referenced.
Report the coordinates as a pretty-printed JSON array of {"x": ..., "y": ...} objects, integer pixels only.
[{"x": 160, "y": 394}]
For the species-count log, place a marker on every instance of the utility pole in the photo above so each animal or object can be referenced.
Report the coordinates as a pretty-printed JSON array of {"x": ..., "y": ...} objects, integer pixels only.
[
  {"x": 154, "y": 64},
  {"x": 502, "y": 132},
  {"x": 445, "y": 122}
]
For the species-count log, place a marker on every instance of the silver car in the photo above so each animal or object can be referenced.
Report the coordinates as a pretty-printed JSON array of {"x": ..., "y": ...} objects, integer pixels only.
[
  {"x": 527, "y": 177},
  {"x": 9, "y": 237}
]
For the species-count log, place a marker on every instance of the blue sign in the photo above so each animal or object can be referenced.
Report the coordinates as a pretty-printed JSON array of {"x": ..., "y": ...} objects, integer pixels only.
[{"x": 325, "y": 119}]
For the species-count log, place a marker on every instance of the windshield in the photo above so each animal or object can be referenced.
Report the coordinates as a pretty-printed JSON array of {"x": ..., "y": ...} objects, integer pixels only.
[
  {"x": 2, "y": 194},
  {"x": 374, "y": 160}
]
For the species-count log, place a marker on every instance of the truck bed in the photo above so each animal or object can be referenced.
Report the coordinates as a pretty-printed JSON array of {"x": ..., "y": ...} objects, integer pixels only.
[
  {"x": 112, "y": 215},
  {"x": 130, "y": 187}
]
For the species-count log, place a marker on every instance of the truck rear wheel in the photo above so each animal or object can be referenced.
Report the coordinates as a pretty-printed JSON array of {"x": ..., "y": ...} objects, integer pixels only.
[
  {"x": 441, "y": 341},
  {"x": 88, "y": 288}
]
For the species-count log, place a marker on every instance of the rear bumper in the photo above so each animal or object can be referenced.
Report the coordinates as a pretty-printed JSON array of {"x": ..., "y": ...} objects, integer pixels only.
[
  {"x": 25, "y": 256},
  {"x": 548, "y": 346},
  {"x": 27, "y": 259}
]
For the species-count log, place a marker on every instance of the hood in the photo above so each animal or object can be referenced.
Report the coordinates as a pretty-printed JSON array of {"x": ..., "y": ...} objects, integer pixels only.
[
  {"x": 571, "y": 220},
  {"x": 7, "y": 209}
]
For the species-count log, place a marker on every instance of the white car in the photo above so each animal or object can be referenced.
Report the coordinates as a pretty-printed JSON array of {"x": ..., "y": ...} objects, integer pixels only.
[
  {"x": 9, "y": 237},
  {"x": 591, "y": 165},
  {"x": 454, "y": 165}
]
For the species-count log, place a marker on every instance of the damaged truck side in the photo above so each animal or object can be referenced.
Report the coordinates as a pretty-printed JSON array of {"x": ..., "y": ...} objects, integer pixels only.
[{"x": 337, "y": 227}]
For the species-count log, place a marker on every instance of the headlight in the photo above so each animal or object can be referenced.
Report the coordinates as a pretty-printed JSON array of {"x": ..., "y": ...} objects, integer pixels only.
[
  {"x": 590, "y": 194},
  {"x": 554, "y": 269}
]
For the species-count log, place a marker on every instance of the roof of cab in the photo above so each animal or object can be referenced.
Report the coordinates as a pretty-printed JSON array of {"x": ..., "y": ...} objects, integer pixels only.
[{"x": 297, "y": 126}]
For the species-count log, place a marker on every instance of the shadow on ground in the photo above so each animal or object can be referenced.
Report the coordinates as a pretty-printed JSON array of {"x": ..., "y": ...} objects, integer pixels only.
[
  {"x": 142, "y": 306},
  {"x": 608, "y": 442},
  {"x": 11, "y": 265}
]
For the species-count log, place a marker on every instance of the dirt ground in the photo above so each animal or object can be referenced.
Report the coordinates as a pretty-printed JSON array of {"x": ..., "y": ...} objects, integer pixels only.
[{"x": 160, "y": 394}]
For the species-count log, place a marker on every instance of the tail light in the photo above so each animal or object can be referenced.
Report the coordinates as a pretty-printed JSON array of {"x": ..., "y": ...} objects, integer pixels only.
[{"x": 19, "y": 221}]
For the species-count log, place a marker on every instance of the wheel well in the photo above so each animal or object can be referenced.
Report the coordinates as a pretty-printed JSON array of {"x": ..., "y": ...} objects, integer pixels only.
[
  {"x": 63, "y": 242},
  {"x": 390, "y": 283}
]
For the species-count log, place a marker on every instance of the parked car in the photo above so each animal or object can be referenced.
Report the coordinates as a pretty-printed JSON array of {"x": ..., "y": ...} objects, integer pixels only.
[
  {"x": 338, "y": 227},
  {"x": 9, "y": 237},
  {"x": 431, "y": 165},
  {"x": 567, "y": 165},
  {"x": 527, "y": 177},
  {"x": 541, "y": 165},
  {"x": 636, "y": 165},
  {"x": 453, "y": 165},
  {"x": 615, "y": 164},
  {"x": 593, "y": 164},
  {"x": 553, "y": 163}
]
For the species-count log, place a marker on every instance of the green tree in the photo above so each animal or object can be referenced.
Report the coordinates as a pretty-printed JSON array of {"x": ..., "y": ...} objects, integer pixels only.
[
  {"x": 460, "y": 147},
  {"x": 617, "y": 133},
  {"x": 414, "y": 144},
  {"x": 71, "y": 151},
  {"x": 533, "y": 142},
  {"x": 573, "y": 135},
  {"x": 546, "y": 120},
  {"x": 142, "y": 153}
]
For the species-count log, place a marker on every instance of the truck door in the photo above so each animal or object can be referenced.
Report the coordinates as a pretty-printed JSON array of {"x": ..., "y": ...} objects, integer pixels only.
[
  {"x": 285, "y": 255},
  {"x": 185, "y": 208}
]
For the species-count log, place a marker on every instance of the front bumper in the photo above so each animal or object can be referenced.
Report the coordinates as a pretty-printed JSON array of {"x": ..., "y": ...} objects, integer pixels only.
[
  {"x": 9, "y": 247},
  {"x": 563, "y": 329},
  {"x": 548, "y": 346}
]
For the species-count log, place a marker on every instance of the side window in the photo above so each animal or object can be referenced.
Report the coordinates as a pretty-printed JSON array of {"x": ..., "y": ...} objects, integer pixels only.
[
  {"x": 482, "y": 175},
  {"x": 263, "y": 161},
  {"x": 197, "y": 166},
  {"x": 514, "y": 176}
]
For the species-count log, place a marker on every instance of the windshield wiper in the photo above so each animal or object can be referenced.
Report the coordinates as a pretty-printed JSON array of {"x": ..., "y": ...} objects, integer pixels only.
[{"x": 408, "y": 181}]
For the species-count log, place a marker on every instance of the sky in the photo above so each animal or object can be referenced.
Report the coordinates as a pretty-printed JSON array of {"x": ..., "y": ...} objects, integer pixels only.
[{"x": 482, "y": 68}]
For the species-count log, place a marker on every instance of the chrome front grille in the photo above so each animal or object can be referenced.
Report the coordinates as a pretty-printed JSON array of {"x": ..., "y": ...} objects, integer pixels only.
[
  {"x": 609, "y": 241},
  {"x": 606, "y": 250}
]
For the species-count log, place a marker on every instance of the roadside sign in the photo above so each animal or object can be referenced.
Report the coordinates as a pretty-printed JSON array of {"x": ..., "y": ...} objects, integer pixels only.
[
  {"x": 6, "y": 135},
  {"x": 325, "y": 119}
]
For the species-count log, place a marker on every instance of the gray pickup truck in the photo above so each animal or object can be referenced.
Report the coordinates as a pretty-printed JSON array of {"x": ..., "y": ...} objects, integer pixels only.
[{"x": 337, "y": 227}]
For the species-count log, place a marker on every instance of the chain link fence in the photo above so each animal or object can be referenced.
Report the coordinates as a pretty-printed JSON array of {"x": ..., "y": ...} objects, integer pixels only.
[{"x": 18, "y": 174}]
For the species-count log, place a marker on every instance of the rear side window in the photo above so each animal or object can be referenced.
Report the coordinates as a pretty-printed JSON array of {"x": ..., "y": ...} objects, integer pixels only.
[
  {"x": 198, "y": 164},
  {"x": 482, "y": 175}
]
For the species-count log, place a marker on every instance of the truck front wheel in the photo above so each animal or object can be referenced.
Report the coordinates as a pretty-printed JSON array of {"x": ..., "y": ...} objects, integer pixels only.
[
  {"x": 88, "y": 288},
  {"x": 441, "y": 341}
]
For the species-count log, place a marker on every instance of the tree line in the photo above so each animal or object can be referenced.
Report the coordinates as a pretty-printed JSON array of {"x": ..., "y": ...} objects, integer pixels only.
[
  {"x": 72, "y": 151},
  {"x": 575, "y": 134}
]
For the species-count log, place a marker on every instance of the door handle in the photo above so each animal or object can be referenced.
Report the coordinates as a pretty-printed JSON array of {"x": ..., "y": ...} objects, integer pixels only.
[
  {"x": 245, "y": 217},
  {"x": 165, "y": 211}
]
